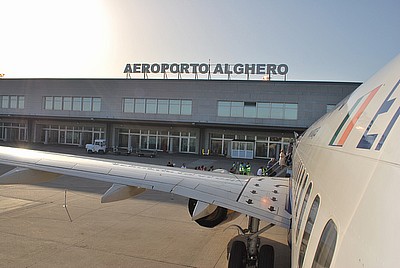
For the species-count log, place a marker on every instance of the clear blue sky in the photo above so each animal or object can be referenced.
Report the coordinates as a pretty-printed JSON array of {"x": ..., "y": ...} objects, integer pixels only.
[{"x": 342, "y": 40}]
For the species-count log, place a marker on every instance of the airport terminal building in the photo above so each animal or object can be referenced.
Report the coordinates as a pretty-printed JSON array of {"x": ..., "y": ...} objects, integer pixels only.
[{"x": 233, "y": 118}]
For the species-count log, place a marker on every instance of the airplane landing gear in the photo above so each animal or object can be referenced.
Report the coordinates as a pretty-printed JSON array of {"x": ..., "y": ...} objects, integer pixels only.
[{"x": 244, "y": 250}]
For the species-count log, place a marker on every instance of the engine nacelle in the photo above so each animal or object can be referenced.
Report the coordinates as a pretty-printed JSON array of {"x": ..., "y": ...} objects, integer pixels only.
[{"x": 218, "y": 215}]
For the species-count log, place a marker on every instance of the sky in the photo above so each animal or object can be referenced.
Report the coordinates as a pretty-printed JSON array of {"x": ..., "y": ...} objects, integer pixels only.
[{"x": 341, "y": 40}]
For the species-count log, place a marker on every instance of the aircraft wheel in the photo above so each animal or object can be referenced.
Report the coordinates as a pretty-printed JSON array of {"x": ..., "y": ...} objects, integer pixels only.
[
  {"x": 237, "y": 255},
  {"x": 266, "y": 257}
]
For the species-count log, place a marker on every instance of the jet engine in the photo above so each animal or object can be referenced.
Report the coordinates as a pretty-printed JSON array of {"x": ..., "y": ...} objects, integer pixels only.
[{"x": 208, "y": 215}]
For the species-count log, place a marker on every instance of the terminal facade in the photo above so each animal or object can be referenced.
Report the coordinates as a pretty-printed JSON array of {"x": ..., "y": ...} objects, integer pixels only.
[{"x": 233, "y": 118}]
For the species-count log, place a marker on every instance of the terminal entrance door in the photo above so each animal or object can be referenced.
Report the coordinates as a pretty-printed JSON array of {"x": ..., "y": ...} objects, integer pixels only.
[{"x": 242, "y": 149}]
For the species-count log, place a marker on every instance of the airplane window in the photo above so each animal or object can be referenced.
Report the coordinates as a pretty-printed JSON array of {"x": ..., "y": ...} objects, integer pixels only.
[
  {"x": 326, "y": 246},
  {"x": 303, "y": 207},
  {"x": 301, "y": 193},
  {"x": 307, "y": 231},
  {"x": 301, "y": 171},
  {"x": 298, "y": 170},
  {"x": 301, "y": 177}
]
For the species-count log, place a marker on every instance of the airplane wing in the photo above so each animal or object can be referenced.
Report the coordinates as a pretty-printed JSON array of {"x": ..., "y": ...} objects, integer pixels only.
[{"x": 264, "y": 198}]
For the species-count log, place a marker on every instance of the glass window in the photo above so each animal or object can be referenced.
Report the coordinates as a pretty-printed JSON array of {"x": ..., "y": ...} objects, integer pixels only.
[
  {"x": 174, "y": 107},
  {"x": 67, "y": 103},
  {"x": 229, "y": 136},
  {"x": 87, "y": 104},
  {"x": 290, "y": 111},
  {"x": 326, "y": 246},
  {"x": 143, "y": 142},
  {"x": 128, "y": 105},
  {"x": 48, "y": 103},
  {"x": 276, "y": 139},
  {"x": 6, "y": 101},
  {"x": 263, "y": 110},
  {"x": 96, "y": 104},
  {"x": 21, "y": 102},
  {"x": 151, "y": 106},
  {"x": 216, "y": 135},
  {"x": 184, "y": 144},
  {"x": 300, "y": 191},
  {"x": 140, "y": 106},
  {"x": 237, "y": 108},
  {"x": 277, "y": 110},
  {"x": 162, "y": 106},
  {"x": 57, "y": 103},
  {"x": 77, "y": 103},
  {"x": 192, "y": 145},
  {"x": 13, "y": 102},
  {"x": 186, "y": 108},
  {"x": 273, "y": 151},
  {"x": 250, "y": 109},
  {"x": 152, "y": 142},
  {"x": 261, "y": 138},
  {"x": 303, "y": 208},
  {"x": 307, "y": 231},
  {"x": 224, "y": 108},
  {"x": 261, "y": 149}
]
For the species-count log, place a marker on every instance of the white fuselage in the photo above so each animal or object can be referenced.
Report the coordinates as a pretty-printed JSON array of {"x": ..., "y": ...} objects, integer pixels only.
[{"x": 351, "y": 158}]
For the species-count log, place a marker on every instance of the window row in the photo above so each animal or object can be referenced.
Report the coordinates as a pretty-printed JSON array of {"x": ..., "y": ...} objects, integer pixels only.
[
  {"x": 71, "y": 135},
  {"x": 12, "y": 102},
  {"x": 326, "y": 246},
  {"x": 266, "y": 110},
  {"x": 89, "y": 104},
  {"x": 161, "y": 140},
  {"x": 13, "y": 131},
  {"x": 263, "y": 146},
  {"x": 157, "y": 106}
]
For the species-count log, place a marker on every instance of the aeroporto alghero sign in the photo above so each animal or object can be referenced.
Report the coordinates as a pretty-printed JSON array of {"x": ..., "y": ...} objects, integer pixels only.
[{"x": 207, "y": 68}]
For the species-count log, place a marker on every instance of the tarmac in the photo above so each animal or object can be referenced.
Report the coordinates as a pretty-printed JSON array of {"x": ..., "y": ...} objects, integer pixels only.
[{"x": 63, "y": 224}]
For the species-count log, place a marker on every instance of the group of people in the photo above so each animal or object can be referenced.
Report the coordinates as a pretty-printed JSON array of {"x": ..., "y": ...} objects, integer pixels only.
[
  {"x": 204, "y": 168},
  {"x": 172, "y": 164},
  {"x": 269, "y": 170},
  {"x": 241, "y": 168},
  {"x": 245, "y": 169}
]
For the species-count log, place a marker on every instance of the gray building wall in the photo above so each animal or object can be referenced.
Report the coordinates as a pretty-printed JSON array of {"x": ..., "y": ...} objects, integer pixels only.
[
  {"x": 210, "y": 132},
  {"x": 311, "y": 97}
]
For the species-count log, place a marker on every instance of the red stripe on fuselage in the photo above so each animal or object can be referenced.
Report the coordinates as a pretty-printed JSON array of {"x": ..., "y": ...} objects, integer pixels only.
[{"x": 349, "y": 128}]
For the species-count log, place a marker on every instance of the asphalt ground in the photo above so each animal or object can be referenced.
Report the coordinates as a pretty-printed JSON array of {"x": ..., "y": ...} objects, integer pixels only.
[{"x": 63, "y": 224}]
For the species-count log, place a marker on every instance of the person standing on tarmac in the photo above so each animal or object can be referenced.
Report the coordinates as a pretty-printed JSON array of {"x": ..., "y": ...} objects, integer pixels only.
[
  {"x": 260, "y": 171},
  {"x": 241, "y": 168},
  {"x": 248, "y": 169},
  {"x": 282, "y": 159}
]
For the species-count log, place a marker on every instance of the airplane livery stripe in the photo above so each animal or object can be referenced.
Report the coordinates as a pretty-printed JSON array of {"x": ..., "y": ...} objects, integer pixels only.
[
  {"x": 357, "y": 116},
  {"x": 344, "y": 122}
]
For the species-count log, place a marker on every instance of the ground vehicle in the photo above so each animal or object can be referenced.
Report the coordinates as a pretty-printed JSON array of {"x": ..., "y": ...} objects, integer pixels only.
[
  {"x": 122, "y": 150},
  {"x": 99, "y": 146}
]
